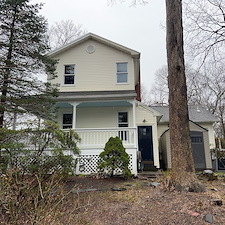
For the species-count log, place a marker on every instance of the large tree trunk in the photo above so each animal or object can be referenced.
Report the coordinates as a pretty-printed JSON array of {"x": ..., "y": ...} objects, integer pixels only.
[{"x": 183, "y": 171}]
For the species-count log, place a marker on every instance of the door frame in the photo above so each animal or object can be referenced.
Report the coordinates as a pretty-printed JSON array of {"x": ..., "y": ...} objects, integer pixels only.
[{"x": 150, "y": 142}]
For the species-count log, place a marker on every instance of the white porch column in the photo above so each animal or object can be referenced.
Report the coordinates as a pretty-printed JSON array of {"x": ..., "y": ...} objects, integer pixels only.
[
  {"x": 134, "y": 114},
  {"x": 74, "y": 104},
  {"x": 133, "y": 102},
  {"x": 134, "y": 121}
]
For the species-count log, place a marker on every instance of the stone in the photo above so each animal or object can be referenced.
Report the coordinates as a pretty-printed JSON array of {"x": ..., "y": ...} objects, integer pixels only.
[
  {"x": 208, "y": 175},
  {"x": 207, "y": 172},
  {"x": 118, "y": 189},
  {"x": 193, "y": 213},
  {"x": 84, "y": 190},
  {"x": 155, "y": 184},
  {"x": 130, "y": 185},
  {"x": 214, "y": 189},
  {"x": 217, "y": 202},
  {"x": 145, "y": 184},
  {"x": 209, "y": 218}
]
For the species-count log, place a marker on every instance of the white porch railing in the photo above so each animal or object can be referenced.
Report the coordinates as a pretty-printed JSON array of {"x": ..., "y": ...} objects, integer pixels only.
[{"x": 97, "y": 137}]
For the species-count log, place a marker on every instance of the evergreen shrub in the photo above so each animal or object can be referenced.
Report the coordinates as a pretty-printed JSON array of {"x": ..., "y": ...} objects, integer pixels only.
[{"x": 114, "y": 160}]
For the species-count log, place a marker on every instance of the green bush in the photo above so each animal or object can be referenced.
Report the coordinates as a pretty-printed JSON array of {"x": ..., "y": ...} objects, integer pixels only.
[
  {"x": 114, "y": 159},
  {"x": 39, "y": 151}
]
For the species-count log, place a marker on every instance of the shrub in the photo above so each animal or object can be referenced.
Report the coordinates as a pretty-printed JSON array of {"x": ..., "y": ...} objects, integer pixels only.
[
  {"x": 29, "y": 199},
  {"x": 114, "y": 159},
  {"x": 43, "y": 150},
  {"x": 33, "y": 165}
]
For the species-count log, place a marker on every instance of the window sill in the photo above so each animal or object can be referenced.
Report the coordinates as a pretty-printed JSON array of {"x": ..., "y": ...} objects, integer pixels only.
[
  {"x": 122, "y": 83},
  {"x": 68, "y": 85}
]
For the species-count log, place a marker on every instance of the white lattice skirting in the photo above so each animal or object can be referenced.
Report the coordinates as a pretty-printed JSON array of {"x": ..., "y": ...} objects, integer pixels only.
[{"x": 87, "y": 164}]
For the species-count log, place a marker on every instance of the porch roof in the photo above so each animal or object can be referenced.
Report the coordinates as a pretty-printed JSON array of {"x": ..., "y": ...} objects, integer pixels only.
[
  {"x": 95, "y": 104},
  {"x": 96, "y": 95}
]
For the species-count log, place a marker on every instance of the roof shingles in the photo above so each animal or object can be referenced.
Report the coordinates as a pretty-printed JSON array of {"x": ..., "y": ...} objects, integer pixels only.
[{"x": 196, "y": 113}]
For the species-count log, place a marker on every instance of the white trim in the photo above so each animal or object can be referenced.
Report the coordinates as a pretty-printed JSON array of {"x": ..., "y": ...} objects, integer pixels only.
[
  {"x": 122, "y": 48},
  {"x": 69, "y": 74},
  {"x": 155, "y": 145}
]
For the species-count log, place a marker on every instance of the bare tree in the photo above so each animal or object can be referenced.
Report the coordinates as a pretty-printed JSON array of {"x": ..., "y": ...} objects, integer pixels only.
[
  {"x": 160, "y": 91},
  {"x": 63, "y": 32},
  {"x": 205, "y": 29},
  {"x": 205, "y": 43},
  {"x": 145, "y": 95}
]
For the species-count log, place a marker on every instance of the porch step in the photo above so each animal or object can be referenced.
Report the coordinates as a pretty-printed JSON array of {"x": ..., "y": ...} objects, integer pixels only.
[
  {"x": 150, "y": 174},
  {"x": 149, "y": 166}
]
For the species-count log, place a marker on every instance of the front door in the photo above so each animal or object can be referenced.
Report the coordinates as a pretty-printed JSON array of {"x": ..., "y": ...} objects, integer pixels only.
[
  {"x": 198, "y": 149},
  {"x": 145, "y": 143}
]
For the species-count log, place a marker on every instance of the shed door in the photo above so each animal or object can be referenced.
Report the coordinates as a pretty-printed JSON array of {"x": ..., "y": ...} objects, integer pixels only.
[
  {"x": 145, "y": 143},
  {"x": 198, "y": 149}
]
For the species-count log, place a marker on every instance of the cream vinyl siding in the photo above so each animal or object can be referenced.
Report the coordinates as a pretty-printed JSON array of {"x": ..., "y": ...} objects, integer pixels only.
[
  {"x": 95, "y": 71},
  {"x": 211, "y": 134},
  {"x": 166, "y": 150},
  {"x": 162, "y": 128},
  {"x": 144, "y": 114},
  {"x": 99, "y": 117}
]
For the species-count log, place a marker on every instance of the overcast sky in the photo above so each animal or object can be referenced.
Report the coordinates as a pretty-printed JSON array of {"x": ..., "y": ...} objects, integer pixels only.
[{"x": 139, "y": 27}]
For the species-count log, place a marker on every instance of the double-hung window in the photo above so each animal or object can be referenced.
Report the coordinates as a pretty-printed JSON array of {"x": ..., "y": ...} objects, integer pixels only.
[
  {"x": 122, "y": 73},
  {"x": 69, "y": 74},
  {"x": 67, "y": 120}
]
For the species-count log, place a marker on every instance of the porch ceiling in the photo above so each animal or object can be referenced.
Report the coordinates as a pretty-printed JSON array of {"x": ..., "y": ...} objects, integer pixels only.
[{"x": 95, "y": 104}]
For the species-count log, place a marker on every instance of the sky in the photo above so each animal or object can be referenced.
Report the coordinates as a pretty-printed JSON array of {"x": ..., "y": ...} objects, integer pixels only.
[{"x": 140, "y": 27}]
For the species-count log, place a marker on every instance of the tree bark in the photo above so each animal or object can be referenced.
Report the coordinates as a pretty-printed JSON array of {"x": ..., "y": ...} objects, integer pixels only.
[{"x": 183, "y": 172}]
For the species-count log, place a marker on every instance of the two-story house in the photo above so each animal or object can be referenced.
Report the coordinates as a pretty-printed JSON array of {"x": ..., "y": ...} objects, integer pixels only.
[{"x": 99, "y": 97}]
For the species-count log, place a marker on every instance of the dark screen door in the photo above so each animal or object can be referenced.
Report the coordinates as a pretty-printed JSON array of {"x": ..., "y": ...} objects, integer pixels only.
[{"x": 145, "y": 143}]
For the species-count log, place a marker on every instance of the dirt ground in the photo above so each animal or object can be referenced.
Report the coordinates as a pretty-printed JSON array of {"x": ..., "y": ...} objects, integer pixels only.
[{"x": 131, "y": 202}]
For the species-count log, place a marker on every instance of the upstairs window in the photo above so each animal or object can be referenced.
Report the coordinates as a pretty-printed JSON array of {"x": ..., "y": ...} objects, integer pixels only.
[
  {"x": 122, "y": 74},
  {"x": 69, "y": 74},
  {"x": 67, "y": 121}
]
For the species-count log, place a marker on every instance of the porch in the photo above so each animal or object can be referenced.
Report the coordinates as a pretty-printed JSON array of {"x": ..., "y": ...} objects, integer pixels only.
[
  {"x": 93, "y": 141},
  {"x": 97, "y": 137}
]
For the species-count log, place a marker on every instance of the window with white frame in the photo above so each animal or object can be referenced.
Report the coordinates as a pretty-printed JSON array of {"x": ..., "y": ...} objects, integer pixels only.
[
  {"x": 69, "y": 74},
  {"x": 67, "y": 120},
  {"x": 122, "y": 73}
]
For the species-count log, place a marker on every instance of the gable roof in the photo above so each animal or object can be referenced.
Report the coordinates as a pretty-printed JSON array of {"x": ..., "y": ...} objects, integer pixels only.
[
  {"x": 197, "y": 114},
  {"x": 95, "y": 37}
]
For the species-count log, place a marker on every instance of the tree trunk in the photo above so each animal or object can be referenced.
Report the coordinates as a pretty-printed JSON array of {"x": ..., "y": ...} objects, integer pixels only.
[
  {"x": 183, "y": 172},
  {"x": 6, "y": 69}
]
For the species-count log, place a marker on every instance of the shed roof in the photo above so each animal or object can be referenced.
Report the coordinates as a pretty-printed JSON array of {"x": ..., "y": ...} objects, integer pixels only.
[{"x": 197, "y": 114}]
